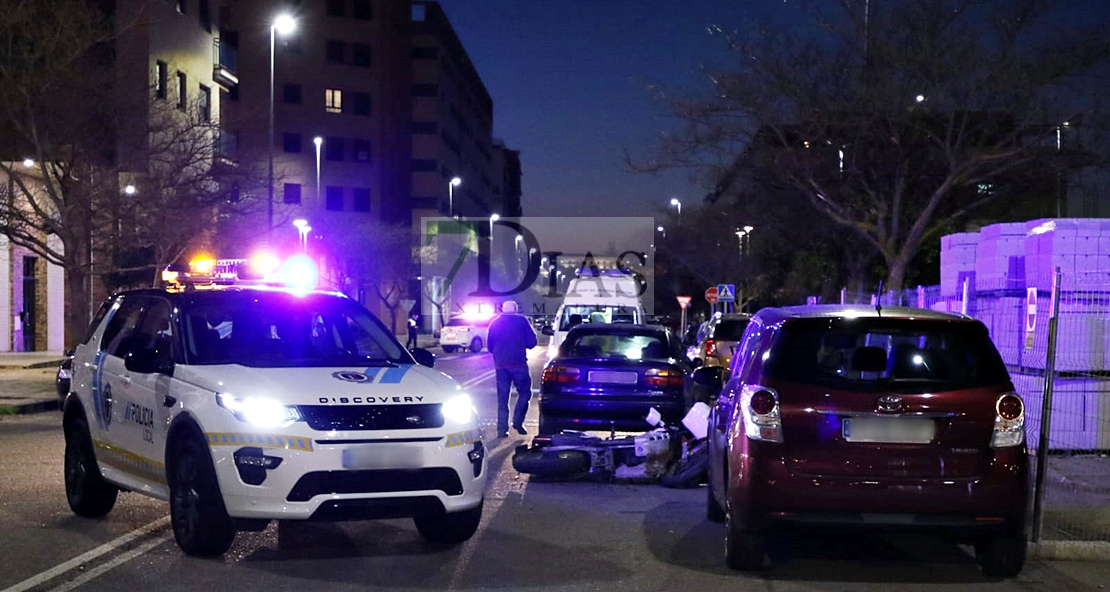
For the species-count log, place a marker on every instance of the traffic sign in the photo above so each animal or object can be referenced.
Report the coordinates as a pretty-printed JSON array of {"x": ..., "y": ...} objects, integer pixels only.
[
  {"x": 683, "y": 301},
  {"x": 726, "y": 292},
  {"x": 407, "y": 304},
  {"x": 1030, "y": 316},
  {"x": 711, "y": 295}
]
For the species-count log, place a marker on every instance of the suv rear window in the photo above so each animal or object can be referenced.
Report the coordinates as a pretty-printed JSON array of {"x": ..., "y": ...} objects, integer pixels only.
[
  {"x": 730, "y": 329},
  {"x": 901, "y": 355},
  {"x": 469, "y": 322}
]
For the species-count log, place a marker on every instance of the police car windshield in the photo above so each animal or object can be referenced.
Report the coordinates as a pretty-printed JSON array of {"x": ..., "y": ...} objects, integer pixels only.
[{"x": 278, "y": 329}]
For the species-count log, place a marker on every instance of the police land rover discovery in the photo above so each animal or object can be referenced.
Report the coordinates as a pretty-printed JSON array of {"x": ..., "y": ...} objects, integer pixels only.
[{"x": 243, "y": 404}]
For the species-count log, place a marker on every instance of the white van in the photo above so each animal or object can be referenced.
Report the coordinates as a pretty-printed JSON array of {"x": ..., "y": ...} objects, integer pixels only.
[{"x": 613, "y": 298}]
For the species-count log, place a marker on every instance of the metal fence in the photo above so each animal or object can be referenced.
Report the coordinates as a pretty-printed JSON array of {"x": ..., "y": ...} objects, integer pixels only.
[{"x": 1074, "y": 489}]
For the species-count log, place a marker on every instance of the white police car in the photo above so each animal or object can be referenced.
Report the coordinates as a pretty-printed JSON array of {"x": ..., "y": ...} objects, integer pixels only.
[{"x": 243, "y": 404}]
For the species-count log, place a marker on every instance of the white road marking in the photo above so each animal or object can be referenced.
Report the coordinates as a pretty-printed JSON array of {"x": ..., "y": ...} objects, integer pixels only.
[
  {"x": 116, "y": 562},
  {"x": 86, "y": 557}
]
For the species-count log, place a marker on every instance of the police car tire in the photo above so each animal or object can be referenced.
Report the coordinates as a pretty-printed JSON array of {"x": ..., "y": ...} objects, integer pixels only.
[
  {"x": 451, "y": 528},
  {"x": 201, "y": 525},
  {"x": 88, "y": 494},
  {"x": 449, "y": 349},
  {"x": 476, "y": 345}
]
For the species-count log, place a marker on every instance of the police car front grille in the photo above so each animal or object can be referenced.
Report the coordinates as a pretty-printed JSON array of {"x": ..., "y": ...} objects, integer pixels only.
[
  {"x": 376, "y": 481},
  {"x": 372, "y": 417}
]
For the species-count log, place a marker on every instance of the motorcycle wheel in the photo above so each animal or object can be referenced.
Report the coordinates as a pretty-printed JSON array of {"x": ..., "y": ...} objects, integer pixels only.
[
  {"x": 565, "y": 463},
  {"x": 688, "y": 472}
]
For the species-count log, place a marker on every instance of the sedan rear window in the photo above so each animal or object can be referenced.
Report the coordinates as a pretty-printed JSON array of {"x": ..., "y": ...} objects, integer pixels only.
[
  {"x": 616, "y": 345},
  {"x": 730, "y": 329},
  {"x": 893, "y": 354}
]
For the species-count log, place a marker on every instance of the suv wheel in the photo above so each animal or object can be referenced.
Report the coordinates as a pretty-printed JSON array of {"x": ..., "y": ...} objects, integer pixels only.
[
  {"x": 475, "y": 345},
  {"x": 1001, "y": 556},
  {"x": 87, "y": 492},
  {"x": 451, "y": 528},
  {"x": 200, "y": 521},
  {"x": 743, "y": 548}
]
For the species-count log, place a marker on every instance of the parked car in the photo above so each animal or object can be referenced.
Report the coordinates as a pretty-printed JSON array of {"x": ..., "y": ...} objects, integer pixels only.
[
  {"x": 239, "y": 404},
  {"x": 899, "y": 418},
  {"x": 61, "y": 379},
  {"x": 465, "y": 332},
  {"x": 608, "y": 376},
  {"x": 718, "y": 339}
]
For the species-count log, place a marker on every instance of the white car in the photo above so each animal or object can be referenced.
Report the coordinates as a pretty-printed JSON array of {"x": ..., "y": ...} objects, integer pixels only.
[
  {"x": 240, "y": 405},
  {"x": 465, "y": 332}
]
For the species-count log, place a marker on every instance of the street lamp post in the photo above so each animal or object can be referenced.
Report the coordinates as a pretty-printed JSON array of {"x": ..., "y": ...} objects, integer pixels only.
[
  {"x": 678, "y": 206},
  {"x": 492, "y": 218},
  {"x": 319, "y": 142},
  {"x": 283, "y": 24},
  {"x": 302, "y": 231},
  {"x": 451, "y": 185}
]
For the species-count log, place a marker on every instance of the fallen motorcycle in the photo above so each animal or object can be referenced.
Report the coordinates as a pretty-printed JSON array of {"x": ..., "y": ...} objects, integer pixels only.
[{"x": 675, "y": 456}]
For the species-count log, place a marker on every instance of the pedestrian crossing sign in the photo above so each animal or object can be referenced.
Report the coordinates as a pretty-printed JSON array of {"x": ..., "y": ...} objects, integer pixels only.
[{"x": 726, "y": 292}]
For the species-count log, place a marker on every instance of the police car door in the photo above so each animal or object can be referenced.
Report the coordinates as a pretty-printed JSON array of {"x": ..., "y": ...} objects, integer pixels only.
[
  {"x": 128, "y": 461},
  {"x": 147, "y": 400}
]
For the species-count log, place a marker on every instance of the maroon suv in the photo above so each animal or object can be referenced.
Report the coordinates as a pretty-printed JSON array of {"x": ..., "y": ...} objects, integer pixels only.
[{"x": 891, "y": 417}]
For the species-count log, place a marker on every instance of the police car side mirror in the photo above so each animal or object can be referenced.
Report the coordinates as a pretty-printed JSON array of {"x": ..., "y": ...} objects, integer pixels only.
[
  {"x": 548, "y": 330},
  {"x": 424, "y": 357}
]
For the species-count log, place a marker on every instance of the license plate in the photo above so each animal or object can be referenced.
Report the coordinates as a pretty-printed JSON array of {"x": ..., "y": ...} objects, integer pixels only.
[
  {"x": 611, "y": 377},
  {"x": 889, "y": 430},
  {"x": 383, "y": 457}
]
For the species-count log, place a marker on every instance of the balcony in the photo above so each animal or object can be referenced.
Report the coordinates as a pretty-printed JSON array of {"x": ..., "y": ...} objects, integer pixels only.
[{"x": 225, "y": 62}]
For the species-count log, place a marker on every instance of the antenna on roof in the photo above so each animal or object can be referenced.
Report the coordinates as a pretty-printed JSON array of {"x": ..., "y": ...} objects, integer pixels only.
[{"x": 879, "y": 300}]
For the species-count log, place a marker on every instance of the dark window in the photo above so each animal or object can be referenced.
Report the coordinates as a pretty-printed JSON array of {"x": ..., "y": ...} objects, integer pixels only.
[
  {"x": 362, "y": 150},
  {"x": 182, "y": 90},
  {"x": 362, "y": 103},
  {"x": 205, "y": 15},
  {"x": 361, "y": 199},
  {"x": 425, "y": 53},
  {"x": 360, "y": 55},
  {"x": 333, "y": 147},
  {"x": 234, "y": 195},
  {"x": 362, "y": 10},
  {"x": 419, "y": 15},
  {"x": 122, "y": 325},
  {"x": 336, "y": 51},
  {"x": 336, "y": 7},
  {"x": 161, "y": 80},
  {"x": 233, "y": 93},
  {"x": 425, "y": 127},
  {"x": 291, "y": 142},
  {"x": 887, "y": 355},
  {"x": 334, "y": 198},
  {"x": 425, "y": 90},
  {"x": 292, "y": 193},
  {"x": 424, "y": 164},
  {"x": 291, "y": 94},
  {"x": 204, "y": 104}
]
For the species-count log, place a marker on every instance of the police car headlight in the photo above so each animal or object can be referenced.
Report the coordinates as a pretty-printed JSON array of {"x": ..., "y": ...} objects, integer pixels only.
[
  {"x": 458, "y": 409},
  {"x": 260, "y": 412}
]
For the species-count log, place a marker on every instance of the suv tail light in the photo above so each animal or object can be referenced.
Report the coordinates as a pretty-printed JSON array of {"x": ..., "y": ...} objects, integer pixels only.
[
  {"x": 760, "y": 407},
  {"x": 1009, "y": 421},
  {"x": 710, "y": 347},
  {"x": 663, "y": 377},
  {"x": 561, "y": 374}
]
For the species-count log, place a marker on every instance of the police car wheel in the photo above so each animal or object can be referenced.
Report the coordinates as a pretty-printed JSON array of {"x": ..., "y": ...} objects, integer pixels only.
[
  {"x": 455, "y": 527},
  {"x": 200, "y": 521},
  {"x": 449, "y": 349},
  {"x": 475, "y": 345},
  {"x": 88, "y": 494}
]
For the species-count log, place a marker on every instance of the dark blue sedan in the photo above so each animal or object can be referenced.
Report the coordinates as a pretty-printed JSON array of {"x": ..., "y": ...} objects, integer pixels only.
[{"x": 608, "y": 376}]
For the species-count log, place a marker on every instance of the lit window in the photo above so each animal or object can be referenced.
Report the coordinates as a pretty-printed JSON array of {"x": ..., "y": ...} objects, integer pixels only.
[
  {"x": 333, "y": 100},
  {"x": 161, "y": 80}
]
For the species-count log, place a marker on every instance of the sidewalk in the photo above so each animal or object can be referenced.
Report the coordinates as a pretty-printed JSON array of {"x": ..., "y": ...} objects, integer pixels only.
[{"x": 27, "y": 382}]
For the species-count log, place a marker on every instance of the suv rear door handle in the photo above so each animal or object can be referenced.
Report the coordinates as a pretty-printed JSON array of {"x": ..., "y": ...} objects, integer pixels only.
[{"x": 125, "y": 378}]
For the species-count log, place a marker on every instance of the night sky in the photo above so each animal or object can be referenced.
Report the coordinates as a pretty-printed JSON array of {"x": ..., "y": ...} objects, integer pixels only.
[{"x": 567, "y": 80}]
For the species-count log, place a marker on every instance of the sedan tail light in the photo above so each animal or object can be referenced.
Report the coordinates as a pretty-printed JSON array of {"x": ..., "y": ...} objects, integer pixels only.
[
  {"x": 760, "y": 408},
  {"x": 710, "y": 347},
  {"x": 1009, "y": 421},
  {"x": 561, "y": 374},
  {"x": 663, "y": 377}
]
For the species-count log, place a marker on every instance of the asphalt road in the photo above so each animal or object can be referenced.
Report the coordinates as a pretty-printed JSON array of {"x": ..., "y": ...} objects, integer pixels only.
[{"x": 534, "y": 536}]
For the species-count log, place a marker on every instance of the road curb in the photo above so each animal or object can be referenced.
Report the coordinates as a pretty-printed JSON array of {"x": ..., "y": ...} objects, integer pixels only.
[
  {"x": 28, "y": 408},
  {"x": 1069, "y": 551}
]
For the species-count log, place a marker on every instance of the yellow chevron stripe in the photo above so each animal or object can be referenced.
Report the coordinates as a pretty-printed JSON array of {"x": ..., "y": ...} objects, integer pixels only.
[
  {"x": 129, "y": 462},
  {"x": 259, "y": 440}
]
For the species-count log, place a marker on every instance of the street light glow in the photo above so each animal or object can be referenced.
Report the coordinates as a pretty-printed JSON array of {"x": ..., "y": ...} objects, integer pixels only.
[
  {"x": 27, "y": 162},
  {"x": 284, "y": 24},
  {"x": 317, "y": 140},
  {"x": 300, "y": 222},
  {"x": 455, "y": 181},
  {"x": 920, "y": 98},
  {"x": 659, "y": 228},
  {"x": 129, "y": 190},
  {"x": 749, "y": 228}
]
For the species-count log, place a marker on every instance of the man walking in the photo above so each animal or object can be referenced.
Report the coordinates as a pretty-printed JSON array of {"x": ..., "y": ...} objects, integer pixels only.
[{"x": 509, "y": 339}]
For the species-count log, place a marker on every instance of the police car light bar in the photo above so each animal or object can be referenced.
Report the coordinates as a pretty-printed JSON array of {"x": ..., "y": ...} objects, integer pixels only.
[{"x": 296, "y": 272}]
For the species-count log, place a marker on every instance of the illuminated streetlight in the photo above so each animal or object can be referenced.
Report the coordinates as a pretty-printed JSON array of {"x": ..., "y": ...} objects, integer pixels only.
[
  {"x": 129, "y": 189},
  {"x": 661, "y": 230},
  {"x": 920, "y": 98},
  {"x": 302, "y": 230},
  {"x": 451, "y": 185},
  {"x": 283, "y": 24},
  {"x": 492, "y": 218},
  {"x": 319, "y": 142},
  {"x": 678, "y": 205},
  {"x": 27, "y": 162}
]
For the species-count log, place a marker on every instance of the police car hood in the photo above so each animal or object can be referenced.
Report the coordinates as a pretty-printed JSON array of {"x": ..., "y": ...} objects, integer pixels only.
[{"x": 401, "y": 383}]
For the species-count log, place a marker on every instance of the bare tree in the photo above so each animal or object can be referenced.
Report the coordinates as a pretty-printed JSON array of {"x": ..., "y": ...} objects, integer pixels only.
[{"x": 894, "y": 118}]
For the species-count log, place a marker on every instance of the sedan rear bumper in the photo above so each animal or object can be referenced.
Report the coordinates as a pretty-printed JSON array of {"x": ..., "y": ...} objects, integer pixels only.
[{"x": 600, "y": 413}]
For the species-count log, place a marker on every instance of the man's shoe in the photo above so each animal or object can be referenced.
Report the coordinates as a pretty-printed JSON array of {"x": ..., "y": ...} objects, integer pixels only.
[
  {"x": 503, "y": 435},
  {"x": 520, "y": 430}
]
